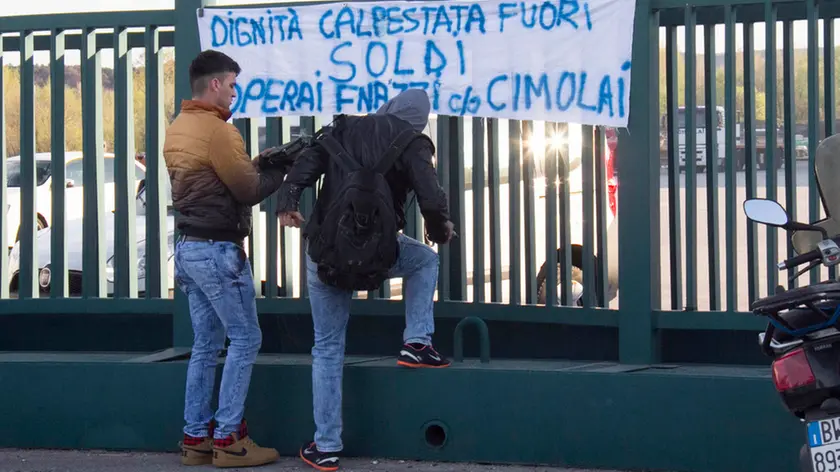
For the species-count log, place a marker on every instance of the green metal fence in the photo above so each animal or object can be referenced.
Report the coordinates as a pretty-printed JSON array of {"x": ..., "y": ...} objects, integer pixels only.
[
  {"x": 547, "y": 210},
  {"x": 762, "y": 102}
]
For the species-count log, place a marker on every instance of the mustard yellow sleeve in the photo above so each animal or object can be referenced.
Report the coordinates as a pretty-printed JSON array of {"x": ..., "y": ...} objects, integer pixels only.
[{"x": 236, "y": 169}]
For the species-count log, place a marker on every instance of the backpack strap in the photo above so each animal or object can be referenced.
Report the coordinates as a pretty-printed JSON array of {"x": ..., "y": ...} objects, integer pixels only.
[
  {"x": 339, "y": 153},
  {"x": 396, "y": 149}
]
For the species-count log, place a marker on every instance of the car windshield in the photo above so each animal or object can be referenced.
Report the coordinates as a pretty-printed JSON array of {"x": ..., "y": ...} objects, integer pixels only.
[{"x": 13, "y": 179}]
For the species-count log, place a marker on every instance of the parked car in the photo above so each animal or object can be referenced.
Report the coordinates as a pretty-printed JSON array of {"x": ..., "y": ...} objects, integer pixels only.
[
  {"x": 75, "y": 245},
  {"x": 74, "y": 181}
]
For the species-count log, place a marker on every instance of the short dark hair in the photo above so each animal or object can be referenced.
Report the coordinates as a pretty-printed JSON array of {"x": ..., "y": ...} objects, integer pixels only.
[{"x": 207, "y": 64}]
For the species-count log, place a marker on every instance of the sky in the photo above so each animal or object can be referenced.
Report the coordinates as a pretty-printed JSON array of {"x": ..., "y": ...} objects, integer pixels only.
[{"x": 63, "y": 6}]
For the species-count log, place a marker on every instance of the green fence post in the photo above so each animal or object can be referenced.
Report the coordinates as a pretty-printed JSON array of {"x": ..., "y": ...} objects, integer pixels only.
[
  {"x": 638, "y": 190},
  {"x": 187, "y": 46}
]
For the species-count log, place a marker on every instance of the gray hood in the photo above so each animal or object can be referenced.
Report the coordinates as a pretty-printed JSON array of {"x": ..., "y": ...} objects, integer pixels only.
[{"x": 411, "y": 105}]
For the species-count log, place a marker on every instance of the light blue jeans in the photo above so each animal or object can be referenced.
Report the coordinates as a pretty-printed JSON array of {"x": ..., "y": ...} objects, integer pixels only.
[
  {"x": 216, "y": 277},
  {"x": 418, "y": 264}
]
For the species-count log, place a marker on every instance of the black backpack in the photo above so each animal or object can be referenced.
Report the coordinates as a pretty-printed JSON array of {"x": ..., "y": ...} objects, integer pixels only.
[{"x": 355, "y": 246}]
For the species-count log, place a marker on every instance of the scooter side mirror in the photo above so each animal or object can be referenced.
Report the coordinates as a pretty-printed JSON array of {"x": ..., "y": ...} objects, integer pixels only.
[
  {"x": 771, "y": 213},
  {"x": 766, "y": 211}
]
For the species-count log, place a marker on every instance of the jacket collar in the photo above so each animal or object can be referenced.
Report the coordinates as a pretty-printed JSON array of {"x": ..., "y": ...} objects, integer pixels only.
[{"x": 196, "y": 105}]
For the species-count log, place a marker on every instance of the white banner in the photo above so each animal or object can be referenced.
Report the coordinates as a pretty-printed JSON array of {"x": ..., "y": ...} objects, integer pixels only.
[{"x": 558, "y": 60}]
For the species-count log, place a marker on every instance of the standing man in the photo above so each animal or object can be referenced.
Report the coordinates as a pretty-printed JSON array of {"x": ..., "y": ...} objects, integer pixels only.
[
  {"x": 370, "y": 164},
  {"x": 214, "y": 186}
]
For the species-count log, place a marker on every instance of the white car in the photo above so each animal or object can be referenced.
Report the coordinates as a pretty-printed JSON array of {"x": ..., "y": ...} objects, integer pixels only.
[
  {"x": 75, "y": 245},
  {"x": 74, "y": 180}
]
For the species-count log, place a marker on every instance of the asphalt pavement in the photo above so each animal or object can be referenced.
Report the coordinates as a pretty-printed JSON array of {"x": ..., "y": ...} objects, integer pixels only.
[{"x": 17, "y": 460}]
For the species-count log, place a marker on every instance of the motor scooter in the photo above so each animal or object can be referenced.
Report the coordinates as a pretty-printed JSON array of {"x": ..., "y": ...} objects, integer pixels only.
[
  {"x": 803, "y": 339},
  {"x": 803, "y": 333}
]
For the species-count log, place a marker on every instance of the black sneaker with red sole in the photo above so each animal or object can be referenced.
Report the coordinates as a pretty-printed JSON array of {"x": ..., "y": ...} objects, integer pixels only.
[
  {"x": 416, "y": 355},
  {"x": 326, "y": 461}
]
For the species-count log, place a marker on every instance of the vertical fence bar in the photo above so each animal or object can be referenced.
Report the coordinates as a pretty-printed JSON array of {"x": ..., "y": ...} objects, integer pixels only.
[
  {"x": 830, "y": 93},
  {"x": 457, "y": 246},
  {"x": 770, "y": 139},
  {"x": 639, "y": 225},
  {"x": 187, "y": 45},
  {"x": 731, "y": 162},
  {"x": 287, "y": 269},
  {"x": 478, "y": 209},
  {"x": 788, "y": 61},
  {"x": 93, "y": 282},
  {"x": 4, "y": 201},
  {"x": 750, "y": 155},
  {"x": 672, "y": 104},
  {"x": 829, "y": 79},
  {"x": 712, "y": 167},
  {"x": 514, "y": 183},
  {"x": 28, "y": 286},
  {"x": 829, "y": 82},
  {"x": 644, "y": 336},
  {"x": 248, "y": 129},
  {"x": 443, "y": 156},
  {"x": 528, "y": 212},
  {"x": 384, "y": 290},
  {"x": 273, "y": 136},
  {"x": 564, "y": 258},
  {"x": 601, "y": 209},
  {"x": 587, "y": 189},
  {"x": 550, "y": 290},
  {"x": 691, "y": 158},
  {"x": 307, "y": 203},
  {"x": 495, "y": 180},
  {"x": 255, "y": 249},
  {"x": 412, "y": 230},
  {"x": 156, "y": 227},
  {"x": 125, "y": 241},
  {"x": 813, "y": 116},
  {"x": 59, "y": 286}
]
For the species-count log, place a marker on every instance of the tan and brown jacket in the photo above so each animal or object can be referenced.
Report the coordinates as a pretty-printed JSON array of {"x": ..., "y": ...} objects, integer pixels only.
[{"x": 214, "y": 182}]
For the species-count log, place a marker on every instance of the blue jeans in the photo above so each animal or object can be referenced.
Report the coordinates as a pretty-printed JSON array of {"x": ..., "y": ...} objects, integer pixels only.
[
  {"x": 418, "y": 264},
  {"x": 216, "y": 277}
]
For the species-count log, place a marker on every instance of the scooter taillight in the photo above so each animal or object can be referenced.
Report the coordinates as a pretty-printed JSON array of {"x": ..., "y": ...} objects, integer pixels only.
[{"x": 792, "y": 370}]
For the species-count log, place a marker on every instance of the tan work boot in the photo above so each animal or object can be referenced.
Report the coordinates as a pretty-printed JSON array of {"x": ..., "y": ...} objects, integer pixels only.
[
  {"x": 197, "y": 451},
  {"x": 239, "y": 450}
]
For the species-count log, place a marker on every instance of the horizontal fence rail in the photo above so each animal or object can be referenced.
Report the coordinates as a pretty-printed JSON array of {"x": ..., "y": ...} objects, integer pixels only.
[{"x": 90, "y": 224}]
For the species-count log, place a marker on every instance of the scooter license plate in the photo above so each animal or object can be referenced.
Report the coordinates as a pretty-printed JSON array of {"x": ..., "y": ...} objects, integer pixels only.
[{"x": 824, "y": 443}]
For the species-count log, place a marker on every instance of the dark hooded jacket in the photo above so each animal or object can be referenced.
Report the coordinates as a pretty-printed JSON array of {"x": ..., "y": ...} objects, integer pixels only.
[{"x": 366, "y": 139}]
